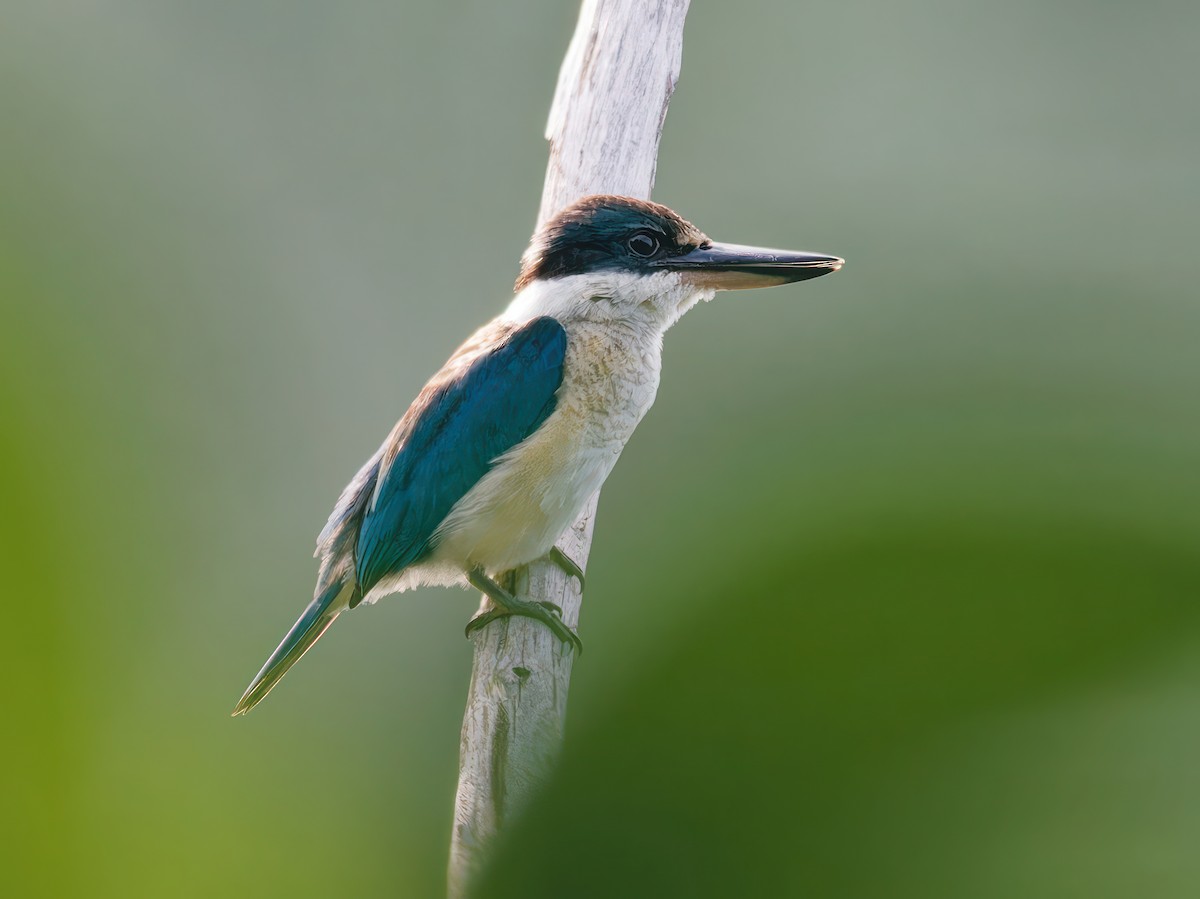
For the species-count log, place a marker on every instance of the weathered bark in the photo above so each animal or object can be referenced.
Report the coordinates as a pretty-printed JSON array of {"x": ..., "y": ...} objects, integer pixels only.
[{"x": 604, "y": 129}]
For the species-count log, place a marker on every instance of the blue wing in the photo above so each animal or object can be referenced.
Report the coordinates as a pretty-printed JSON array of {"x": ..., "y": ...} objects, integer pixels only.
[{"x": 492, "y": 394}]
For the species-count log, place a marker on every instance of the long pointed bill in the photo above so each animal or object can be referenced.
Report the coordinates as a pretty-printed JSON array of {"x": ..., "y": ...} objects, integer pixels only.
[{"x": 729, "y": 266}]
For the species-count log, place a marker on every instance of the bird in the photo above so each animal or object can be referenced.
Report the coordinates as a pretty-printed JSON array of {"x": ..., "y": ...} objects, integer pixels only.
[{"x": 503, "y": 447}]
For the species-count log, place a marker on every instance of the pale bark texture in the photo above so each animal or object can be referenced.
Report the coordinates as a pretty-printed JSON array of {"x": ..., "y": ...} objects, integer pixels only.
[{"x": 604, "y": 129}]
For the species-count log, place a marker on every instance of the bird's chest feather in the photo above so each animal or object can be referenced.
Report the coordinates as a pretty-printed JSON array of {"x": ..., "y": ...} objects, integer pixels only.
[
  {"x": 609, "y": 382},
  {"x": 537, "y": 489}
]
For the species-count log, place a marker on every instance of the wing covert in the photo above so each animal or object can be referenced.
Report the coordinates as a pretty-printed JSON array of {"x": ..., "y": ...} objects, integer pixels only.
[{"x": 494, "y": 392}]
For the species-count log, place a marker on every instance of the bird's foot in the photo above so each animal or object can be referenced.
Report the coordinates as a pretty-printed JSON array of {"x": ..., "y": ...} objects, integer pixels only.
[
  {"x": 567, "y": 564},
  {"x": 506, "y": 604}
]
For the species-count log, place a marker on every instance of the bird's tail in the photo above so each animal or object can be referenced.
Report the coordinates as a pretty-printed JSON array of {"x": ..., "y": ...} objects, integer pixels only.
[{"x": 321, "y": 613}]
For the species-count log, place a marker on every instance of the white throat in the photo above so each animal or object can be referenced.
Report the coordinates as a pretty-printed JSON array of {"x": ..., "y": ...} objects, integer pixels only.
[{"x": 622, "y": 299}]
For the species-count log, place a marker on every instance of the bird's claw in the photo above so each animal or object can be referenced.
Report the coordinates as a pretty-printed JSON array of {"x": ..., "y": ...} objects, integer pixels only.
[
  {"x": 567, "y": 564},
  {"x": 482, "y": 620},
  {"x": 538, "y": 612},
  {"x": 547, "y": 613}
]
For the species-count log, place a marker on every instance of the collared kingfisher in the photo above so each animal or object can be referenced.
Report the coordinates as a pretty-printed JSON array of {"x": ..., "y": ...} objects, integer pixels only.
[{"x": 501, "y": 450}]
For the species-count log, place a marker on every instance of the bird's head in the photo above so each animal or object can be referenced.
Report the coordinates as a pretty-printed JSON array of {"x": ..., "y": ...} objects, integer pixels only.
[{"x": 610, "y": 258}]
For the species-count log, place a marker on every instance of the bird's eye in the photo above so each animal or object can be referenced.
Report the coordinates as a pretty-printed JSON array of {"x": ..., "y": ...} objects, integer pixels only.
[{"x": 643, "y": 244}]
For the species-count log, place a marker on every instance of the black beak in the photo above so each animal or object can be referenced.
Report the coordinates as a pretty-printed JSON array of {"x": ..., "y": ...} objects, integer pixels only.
[{"x": 728, "y": 266}]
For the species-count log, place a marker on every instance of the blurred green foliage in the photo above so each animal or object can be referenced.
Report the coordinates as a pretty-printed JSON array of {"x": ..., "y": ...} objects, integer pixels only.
[{"x": 893, "y": 593}]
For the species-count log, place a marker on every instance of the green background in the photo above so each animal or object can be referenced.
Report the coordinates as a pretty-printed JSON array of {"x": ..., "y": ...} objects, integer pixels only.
[{"x": 893, "y": 594}]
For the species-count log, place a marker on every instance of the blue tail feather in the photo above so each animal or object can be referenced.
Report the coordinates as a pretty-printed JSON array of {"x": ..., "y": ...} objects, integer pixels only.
[{"x": 321, "y": 613}]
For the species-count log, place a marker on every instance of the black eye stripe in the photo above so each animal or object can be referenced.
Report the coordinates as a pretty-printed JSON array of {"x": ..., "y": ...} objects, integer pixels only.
[{"x": 605, "y": 233}]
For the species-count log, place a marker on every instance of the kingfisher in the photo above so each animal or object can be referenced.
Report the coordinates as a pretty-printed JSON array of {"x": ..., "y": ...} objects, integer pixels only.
[{"x": 501, "y": 450}]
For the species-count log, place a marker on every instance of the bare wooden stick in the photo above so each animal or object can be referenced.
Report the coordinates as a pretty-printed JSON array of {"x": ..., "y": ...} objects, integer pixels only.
[{"x": 604, "y": 128}]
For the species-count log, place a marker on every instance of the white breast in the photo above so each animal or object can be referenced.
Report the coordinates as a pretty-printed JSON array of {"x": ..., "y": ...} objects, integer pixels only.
[{"x": 537, "y": 490}]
